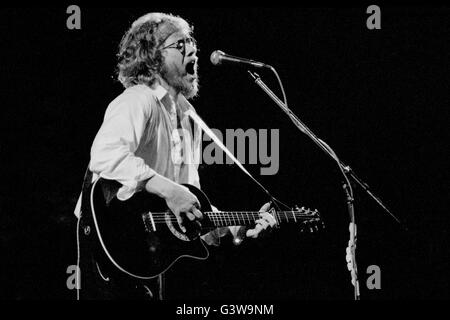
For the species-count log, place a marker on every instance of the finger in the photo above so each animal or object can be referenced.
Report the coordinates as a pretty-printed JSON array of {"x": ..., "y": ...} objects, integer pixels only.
[
  {"x": 269, "y": 218},
  {"x": 190, "y": 216},
  {"x": 197, "y": 213},
  {"x": 180, "y": 222},
  {"x": 258, "y": 230},
  {"x": 272, "y": 221},
  {"x": 196, "y": 203},
  {"x": 265, "y": 207},
  {"x": 250, "y": 233},
  {"x": 253, "y": 233},
  {"x": 199, "y": 227},
  {"x": 264, "y": 224}
]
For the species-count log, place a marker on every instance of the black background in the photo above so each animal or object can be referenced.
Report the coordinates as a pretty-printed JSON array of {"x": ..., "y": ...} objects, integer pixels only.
[{"x": 379, "y": 98}]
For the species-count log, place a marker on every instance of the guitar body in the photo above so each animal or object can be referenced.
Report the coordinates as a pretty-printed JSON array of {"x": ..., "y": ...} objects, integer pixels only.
[{"x": 140, "y": 245}]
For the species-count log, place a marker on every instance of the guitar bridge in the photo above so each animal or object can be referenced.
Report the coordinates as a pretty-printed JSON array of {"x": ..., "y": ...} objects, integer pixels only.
[{"x": 149, "y": 223}]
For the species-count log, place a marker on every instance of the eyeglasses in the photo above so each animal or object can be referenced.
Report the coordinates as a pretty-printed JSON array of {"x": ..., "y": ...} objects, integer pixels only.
[{"x": 180, "y": 45}]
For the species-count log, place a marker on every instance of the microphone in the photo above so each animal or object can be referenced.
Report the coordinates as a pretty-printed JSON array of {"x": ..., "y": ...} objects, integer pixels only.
[{"x": 218, "y": 56}]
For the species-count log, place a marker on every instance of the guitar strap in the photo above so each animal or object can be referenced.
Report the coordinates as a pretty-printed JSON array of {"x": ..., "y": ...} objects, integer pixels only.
[
  {"x": 196, "y": 118},
  {"x": 87, "y": 182}
]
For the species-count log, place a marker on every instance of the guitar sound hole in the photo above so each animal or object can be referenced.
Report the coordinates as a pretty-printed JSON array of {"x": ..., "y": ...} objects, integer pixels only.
[{"x": 175, "y": 229}]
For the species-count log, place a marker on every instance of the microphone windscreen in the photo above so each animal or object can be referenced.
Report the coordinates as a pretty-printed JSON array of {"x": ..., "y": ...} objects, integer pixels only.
[{"x": 216, "y": 57}]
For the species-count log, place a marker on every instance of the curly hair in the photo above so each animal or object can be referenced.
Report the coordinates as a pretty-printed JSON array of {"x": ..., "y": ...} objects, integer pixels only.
[{"x": 140, "y": 58}]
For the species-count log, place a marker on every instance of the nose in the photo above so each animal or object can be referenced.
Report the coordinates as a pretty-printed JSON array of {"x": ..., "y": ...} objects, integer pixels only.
[{"x": 191, "y": 51}]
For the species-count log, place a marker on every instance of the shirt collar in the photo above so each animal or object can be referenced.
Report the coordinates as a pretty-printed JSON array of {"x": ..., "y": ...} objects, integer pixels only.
[
  {"x": 162, "y": 94},
  {"x": 159, "y": 92}
]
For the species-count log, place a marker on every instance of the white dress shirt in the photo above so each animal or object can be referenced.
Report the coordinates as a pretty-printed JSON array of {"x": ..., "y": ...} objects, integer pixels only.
[{"x": 145, "y": 132}]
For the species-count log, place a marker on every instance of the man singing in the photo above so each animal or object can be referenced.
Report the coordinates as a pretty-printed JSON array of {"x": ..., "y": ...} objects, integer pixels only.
[{"x": 148, "y": 144}]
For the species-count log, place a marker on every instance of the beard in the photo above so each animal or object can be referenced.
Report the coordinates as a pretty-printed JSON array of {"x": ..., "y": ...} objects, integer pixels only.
[{"x": 180, "y": 80}]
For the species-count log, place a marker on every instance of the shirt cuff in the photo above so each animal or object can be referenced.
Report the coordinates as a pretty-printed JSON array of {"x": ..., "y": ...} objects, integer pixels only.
[
  {"x": 213, "y": 238},
  {"x": 130, "y": 187},
  {"x": 238, "y": 233}
]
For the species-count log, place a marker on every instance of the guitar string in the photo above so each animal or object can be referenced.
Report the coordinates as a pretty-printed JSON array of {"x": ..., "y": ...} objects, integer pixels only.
[
  {"x": 231, "y": 219},
  {"x": 216, "y": 223},
  {"x": 238, "y": 216},
  {"x": 225, "y": 222},
  {"x": 220, "y": 219},
  {"x": 245, "y": 217},
  {"x": 234, "y": 213}
]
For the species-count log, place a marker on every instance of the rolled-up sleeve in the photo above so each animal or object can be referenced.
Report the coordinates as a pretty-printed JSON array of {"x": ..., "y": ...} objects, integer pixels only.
[{"x": 113, "y": 151}]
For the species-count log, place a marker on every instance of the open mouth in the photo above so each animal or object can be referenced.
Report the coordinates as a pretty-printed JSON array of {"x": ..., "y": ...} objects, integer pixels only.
[{"x": 190, "y": 68}]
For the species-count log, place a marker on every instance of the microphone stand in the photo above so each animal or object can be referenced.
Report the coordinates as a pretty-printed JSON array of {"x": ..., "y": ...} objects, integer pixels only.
[{"x": 346, "y": 171}]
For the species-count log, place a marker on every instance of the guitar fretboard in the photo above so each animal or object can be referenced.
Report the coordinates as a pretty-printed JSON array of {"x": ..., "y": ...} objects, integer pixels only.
[
  {"x": 233, "y": 218},
  {"x": 248, "y": 218}
]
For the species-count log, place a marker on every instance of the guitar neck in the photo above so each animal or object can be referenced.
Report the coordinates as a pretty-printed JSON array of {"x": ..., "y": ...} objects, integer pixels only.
[{"x": 248, "y": 218}]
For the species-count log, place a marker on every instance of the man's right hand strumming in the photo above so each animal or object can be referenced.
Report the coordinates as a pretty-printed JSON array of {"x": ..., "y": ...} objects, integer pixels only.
[{"x": 178, "y": 198}]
